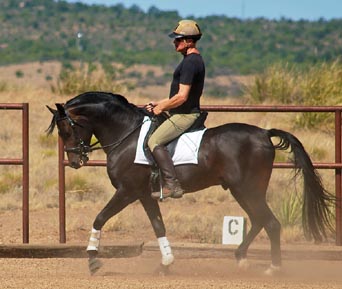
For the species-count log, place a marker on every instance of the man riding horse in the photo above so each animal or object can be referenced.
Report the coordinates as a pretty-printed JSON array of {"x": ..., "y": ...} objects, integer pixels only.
[
  {"x": 183, "y": 104},
  {"x": 236, "y": 156}
]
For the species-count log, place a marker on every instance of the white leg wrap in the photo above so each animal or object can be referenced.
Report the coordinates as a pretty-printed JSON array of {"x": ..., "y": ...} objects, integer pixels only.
[
  {"x": 94, "y": 240},
  {"x": 272, "y": 270},
  {"x": 165, "y": 249},
  {"x": 243, "y": 264}
]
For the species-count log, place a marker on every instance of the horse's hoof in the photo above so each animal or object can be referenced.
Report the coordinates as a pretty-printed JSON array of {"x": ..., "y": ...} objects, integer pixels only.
[
  {"x": 162, "y": 270},
  {"x": 273, "y": 271},
  {"x": 94, "y": 265},
  {"x": 243, "y": 264},
  {"x": 168, "y": 259}
]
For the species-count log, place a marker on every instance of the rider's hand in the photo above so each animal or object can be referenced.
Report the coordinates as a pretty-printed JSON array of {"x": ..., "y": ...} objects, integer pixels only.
[
  {"x": 149, "y": 107},
  {"x": 156, "y": 110}
]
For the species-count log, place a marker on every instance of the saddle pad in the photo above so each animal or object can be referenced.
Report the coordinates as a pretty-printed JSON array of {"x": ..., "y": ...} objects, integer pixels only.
[{"x": 186, "y": 150}]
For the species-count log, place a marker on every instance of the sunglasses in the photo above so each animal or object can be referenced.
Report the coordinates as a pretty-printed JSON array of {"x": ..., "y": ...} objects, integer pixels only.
[{"x": 179, "y": 39}]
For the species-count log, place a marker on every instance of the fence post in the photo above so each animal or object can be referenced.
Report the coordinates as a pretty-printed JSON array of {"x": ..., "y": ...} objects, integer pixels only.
[
  {"x": 338, "y": 179},
  {"x": 25, "y": 143},
  {"x": 23, "y": 161},
  {"x": 61, "y": 185}
]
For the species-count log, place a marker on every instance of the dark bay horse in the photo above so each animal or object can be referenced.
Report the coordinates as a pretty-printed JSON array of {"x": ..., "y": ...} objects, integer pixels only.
[{"x": 237, "y": 156}]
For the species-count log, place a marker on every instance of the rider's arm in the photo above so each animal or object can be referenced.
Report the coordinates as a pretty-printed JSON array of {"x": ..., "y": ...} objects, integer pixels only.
[{"x": 175, "y": 101}]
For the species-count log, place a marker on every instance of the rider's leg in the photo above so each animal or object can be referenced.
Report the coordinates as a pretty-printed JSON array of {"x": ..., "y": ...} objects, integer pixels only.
[
  {"x": 171, "y": 186},
  {"x": 166, "y": 132}
]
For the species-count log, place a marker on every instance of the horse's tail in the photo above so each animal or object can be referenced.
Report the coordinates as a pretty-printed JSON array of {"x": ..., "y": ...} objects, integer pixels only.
[{"x": 316, "y": 214}]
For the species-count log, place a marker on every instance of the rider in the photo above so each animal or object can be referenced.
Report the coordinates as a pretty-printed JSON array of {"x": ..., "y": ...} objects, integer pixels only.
[{"x": 183, "y": 104}]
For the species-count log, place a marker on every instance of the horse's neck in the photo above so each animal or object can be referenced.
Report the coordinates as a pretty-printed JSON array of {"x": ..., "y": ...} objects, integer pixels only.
[{"x": 114, "y": 132}]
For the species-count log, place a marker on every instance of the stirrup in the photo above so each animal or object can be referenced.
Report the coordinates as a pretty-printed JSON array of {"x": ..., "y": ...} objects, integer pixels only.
[
  {"x": 178, "y": 193},
  {"x": 164, "y": 193}
]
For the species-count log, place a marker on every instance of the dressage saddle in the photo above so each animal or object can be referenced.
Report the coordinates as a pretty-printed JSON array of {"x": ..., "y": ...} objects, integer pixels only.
[{"x": 156, "y": 121}]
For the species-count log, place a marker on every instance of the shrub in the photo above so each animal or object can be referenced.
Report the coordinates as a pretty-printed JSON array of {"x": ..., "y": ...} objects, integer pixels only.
[
  {"x": 19, "y": 74},
  {"x": 277, "y": 84},
  {"x": 317, "y": 85},
  {"x": 3, "y": 86},
  {"x": 85, "y": 78},
  {"x": 288, "y": 210}
]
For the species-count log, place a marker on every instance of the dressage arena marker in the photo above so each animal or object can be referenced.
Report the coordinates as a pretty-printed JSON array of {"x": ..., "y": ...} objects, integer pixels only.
[{"x": 234, "y": 230}]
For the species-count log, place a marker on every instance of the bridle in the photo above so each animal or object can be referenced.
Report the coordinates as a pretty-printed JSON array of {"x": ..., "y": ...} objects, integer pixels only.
[{"x": 82, "y": 149}]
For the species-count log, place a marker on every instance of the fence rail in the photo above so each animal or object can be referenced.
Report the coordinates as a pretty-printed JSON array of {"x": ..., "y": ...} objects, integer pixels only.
[
  {"x": 337, "y": 165},
  {"x": 24, "y": 162}
]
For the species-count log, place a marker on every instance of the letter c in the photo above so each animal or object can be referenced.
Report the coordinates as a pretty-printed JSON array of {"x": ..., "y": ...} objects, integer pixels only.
[{"x": 230, "y": 224}]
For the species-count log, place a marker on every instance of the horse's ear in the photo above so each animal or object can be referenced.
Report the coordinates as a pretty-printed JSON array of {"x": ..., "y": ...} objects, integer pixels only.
[
  {"x": 60, "y": 109},
  {"x": 53, "y": 111}
]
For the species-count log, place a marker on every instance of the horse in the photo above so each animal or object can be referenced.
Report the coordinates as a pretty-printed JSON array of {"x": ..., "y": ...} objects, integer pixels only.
[{"x": 236, "y": 156}]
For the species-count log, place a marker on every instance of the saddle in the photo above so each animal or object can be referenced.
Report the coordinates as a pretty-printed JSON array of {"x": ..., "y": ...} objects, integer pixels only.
[{"x": 156, "y": 121}]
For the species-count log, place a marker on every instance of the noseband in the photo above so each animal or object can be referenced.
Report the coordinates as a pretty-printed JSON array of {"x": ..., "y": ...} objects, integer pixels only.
[{"x": 81, "y": 149}]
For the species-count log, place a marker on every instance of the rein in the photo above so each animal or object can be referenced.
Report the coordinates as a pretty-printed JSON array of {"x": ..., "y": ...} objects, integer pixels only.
[
  {"x": 114, "y": 145},
  {"x": 82, "y": 149}
]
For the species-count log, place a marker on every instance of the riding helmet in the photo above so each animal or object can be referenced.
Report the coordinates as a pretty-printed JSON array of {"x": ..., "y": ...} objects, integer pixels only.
[{"x": 186, "y": 29}]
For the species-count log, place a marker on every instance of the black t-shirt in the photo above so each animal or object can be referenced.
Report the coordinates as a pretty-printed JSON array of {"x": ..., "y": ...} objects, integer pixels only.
[{"x": 190, "y": 71}]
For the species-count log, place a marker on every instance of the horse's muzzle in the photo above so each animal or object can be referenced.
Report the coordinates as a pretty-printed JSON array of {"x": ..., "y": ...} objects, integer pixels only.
[
  {"x": 80, "y": 163},
  {"x": 78, "y": 156},
  {"x": 76, "y": 165}
]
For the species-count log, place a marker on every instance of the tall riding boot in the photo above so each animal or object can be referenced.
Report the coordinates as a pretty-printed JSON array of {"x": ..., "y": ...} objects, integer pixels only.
[{"x": 171, "y": 186}]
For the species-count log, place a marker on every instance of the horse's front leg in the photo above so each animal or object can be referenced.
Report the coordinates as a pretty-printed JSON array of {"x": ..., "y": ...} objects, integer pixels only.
[
  {"x": 118, "y": 202},
  {"x": 152, "y": 210},
  {"x": 94, "y": 264}
]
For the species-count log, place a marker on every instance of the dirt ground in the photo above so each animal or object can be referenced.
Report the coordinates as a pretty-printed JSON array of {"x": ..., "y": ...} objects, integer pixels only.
[{"x": 142, "y": 271}]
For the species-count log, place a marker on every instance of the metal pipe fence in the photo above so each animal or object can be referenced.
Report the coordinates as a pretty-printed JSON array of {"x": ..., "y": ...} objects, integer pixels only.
[
  {"x": 23, "y": 161},
  {"x": 337, "y": 165}
]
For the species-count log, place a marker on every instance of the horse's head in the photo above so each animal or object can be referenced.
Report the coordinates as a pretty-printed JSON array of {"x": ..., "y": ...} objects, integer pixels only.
[{"x": 75, "y": 135}]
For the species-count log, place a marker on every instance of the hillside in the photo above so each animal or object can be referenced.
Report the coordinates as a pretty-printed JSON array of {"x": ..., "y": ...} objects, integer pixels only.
[{"x": 42, "y": 30}]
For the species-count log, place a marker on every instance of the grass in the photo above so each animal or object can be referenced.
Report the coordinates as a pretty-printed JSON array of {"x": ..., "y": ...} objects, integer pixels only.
[
  {"x": 9, "y": 180},
  {"x": 48, "y": 141},
  {"x": 203, "y": 228},
  {"x": 289, "y": 210},
  {"x": 197, "y": 217},
  {"x": 3, "y": 86},
  {"x": 318, "y": 85}
]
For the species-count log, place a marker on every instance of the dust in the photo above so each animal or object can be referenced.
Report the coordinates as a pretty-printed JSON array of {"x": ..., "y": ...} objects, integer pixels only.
[{"x": 142, "y": 272}]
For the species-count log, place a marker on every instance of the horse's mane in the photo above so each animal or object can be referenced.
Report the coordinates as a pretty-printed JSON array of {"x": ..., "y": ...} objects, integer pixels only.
[
  {"x": 98, "y": 97},
  {"x": 105, "y": 104}
]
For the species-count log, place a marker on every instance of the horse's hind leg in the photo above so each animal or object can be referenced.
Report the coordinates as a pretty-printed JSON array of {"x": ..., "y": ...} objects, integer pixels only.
[
  {"x": 241, "y": 251},
  {"x": 266, "y": 218},
  {"x": 260, "y": 216},
  {"x": 152, "y": 210}
]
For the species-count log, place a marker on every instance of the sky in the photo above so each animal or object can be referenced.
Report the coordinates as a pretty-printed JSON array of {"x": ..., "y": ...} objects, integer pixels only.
[{"x": 270, "y": 9}]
